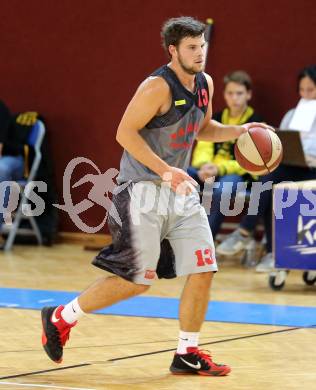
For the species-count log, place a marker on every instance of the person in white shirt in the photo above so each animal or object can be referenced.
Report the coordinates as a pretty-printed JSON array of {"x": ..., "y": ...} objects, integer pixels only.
[{"x": 238, "y": 240}]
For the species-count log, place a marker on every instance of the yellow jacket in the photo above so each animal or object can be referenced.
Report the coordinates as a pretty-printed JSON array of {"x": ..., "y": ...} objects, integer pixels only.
[{"x": 222, "y": 153}]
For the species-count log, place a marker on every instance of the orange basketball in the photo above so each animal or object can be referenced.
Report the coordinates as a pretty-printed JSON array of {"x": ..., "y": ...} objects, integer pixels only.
[{"x": 259, "y": 151}]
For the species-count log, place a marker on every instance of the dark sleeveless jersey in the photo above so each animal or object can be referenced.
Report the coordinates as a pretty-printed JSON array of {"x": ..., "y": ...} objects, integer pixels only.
[{"x": 172, "y": 134}]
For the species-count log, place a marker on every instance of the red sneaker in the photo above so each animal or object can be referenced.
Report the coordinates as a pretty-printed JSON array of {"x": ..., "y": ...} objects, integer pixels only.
[
  {"x": 55, "y": 332},
  {"x": 196, "y": 361}
]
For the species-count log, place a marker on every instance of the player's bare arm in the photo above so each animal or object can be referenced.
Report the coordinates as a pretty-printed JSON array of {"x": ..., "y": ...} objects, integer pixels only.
[
  {"x": 145, "y": 104},
  {"x": 151, "y": 98}
]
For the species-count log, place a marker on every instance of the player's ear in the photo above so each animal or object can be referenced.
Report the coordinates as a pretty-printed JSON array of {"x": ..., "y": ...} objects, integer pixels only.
[
  {"x": 172, "y": 50},
  {"x": 249, "y": 94}
]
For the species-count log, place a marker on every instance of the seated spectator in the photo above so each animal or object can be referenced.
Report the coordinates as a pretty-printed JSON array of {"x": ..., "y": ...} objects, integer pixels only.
[
  {"x": 239, "y": 239},
  {"x": 15, "y": 161},
  {"x": 11, "y": 155},
  {"x": 217, "y": 159}
]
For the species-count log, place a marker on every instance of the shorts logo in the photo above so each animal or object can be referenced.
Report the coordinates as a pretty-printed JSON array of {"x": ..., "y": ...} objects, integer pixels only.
[{"x": 150, "y": 274}]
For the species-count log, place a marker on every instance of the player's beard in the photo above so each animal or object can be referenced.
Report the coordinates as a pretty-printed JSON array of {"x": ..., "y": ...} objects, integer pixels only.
[{"x": 188, "y": 69}]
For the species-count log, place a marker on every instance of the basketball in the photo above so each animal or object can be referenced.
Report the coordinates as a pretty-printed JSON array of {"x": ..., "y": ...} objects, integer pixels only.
[{"x": 259, "y": 151}]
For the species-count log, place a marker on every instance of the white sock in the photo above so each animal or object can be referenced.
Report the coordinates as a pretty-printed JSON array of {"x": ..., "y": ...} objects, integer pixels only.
[
  {"x": 187, "y": 339},
  {"x": 72, "y": 311}
]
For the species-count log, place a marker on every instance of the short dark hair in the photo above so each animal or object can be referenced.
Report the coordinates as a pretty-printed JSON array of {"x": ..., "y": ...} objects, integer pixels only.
[
  {"x": 308, "y": 71},
  {"x": 239, "y": 77},
  {"x": 175, "y": 29}
]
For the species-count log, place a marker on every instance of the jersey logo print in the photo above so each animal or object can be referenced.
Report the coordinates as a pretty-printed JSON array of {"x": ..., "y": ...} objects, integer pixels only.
[
  {"x": 180, "y": 102},
  {"x": 186, "y": 135}
]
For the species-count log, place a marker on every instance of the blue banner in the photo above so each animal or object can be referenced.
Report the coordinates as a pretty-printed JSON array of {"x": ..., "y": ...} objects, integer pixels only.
[{"x": 295, "y": 228}]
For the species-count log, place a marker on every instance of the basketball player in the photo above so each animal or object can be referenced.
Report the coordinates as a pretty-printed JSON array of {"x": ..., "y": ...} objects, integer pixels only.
[{"x": 169, "y": 109}]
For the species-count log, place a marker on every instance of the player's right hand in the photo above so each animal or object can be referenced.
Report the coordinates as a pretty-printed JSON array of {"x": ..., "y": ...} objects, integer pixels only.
[
  {"x": 180, "y": 181},
  {"x": 207, "y": 171}
]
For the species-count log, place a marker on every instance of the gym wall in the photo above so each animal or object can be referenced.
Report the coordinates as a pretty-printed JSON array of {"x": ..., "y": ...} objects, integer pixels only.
[{"x": 79, "y": 62}]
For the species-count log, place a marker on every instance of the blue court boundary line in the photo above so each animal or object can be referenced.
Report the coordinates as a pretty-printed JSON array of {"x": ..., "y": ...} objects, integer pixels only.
[{"x": 157, "y": 307}]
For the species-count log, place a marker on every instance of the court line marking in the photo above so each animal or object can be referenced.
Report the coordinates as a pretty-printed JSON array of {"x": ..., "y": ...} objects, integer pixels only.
[
  {"x": 45, "y": 386},
  {"x": 44, "y": 371},
  {"x": 175, "y": 340},
  {"x": 46, "y": 300},
  {"x": 155, "y": 352},
  {"x": 212, "y": 342}
]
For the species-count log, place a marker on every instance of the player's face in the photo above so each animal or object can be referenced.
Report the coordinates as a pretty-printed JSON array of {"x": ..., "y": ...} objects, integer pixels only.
[
  {"x": 307, "y": 88},
  {"x": 190, "y": 54},
  {"x": 236, "y": 96}
]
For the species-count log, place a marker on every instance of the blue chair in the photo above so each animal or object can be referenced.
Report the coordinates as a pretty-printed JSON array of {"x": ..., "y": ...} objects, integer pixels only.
[{"x": 35, "y": 140}]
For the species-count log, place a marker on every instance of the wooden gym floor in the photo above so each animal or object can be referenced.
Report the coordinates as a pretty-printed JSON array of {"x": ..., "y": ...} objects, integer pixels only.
[{"x": 261, "y": 356}]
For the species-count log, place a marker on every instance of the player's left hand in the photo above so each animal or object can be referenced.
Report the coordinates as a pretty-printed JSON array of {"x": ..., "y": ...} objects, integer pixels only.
[{"x": 248, "y": 126}]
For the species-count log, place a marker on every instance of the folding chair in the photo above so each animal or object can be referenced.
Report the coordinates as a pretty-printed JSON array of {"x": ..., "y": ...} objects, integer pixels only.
[{"x": 35, "y": 140}]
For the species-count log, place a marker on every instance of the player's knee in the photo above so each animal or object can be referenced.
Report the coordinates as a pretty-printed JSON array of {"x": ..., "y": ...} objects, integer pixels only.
[
  {"x": 141, "y": 288},
  {"x": 205, "y": 280},
  {"x": 204, "y": 277}
]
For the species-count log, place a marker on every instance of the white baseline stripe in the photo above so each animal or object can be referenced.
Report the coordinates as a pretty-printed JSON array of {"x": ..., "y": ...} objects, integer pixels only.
[
  {"x": 44, "y": 386},
  {"x": 46, "y": 300}
]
